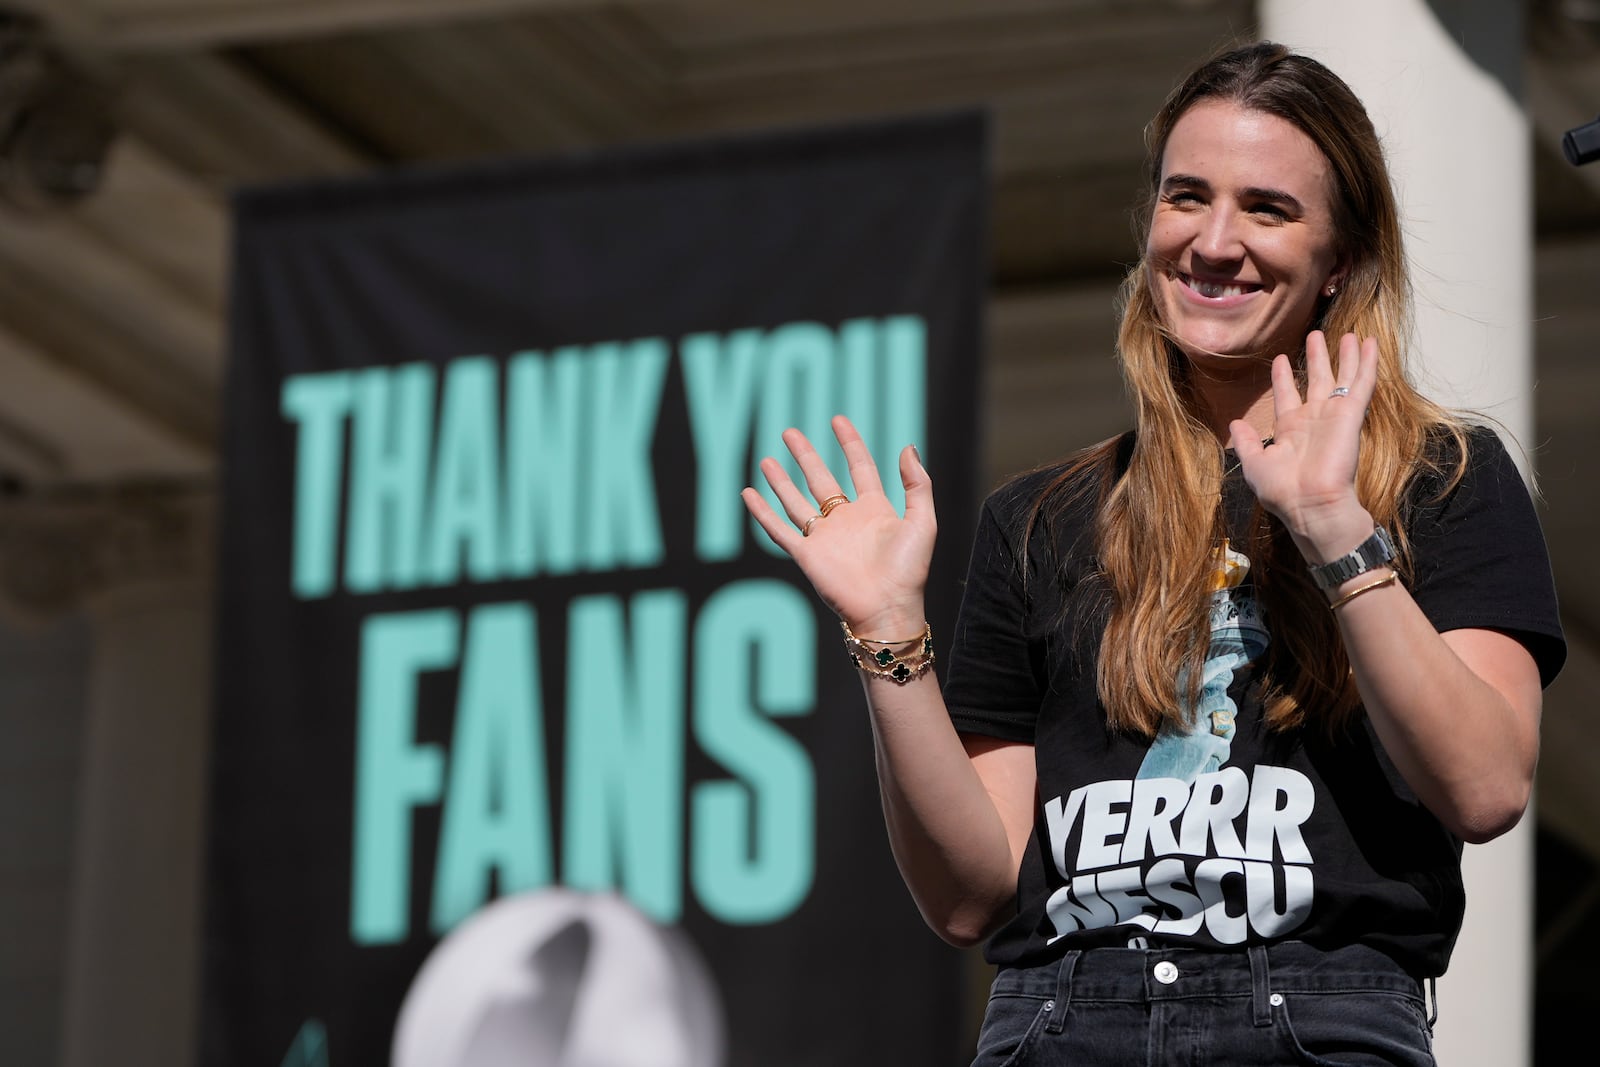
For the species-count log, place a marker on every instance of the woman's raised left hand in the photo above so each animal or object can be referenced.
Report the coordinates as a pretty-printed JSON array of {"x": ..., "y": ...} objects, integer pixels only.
[{"x": 1307, "y": 478}]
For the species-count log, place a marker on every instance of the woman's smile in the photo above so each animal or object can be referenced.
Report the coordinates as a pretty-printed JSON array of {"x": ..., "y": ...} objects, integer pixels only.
[
  {"x": 1242, "y": 236},
  {"x": 1217, "y": 293}
]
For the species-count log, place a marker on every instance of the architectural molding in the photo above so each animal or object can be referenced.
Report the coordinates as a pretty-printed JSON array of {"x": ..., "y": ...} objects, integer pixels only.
[{"x": 59, "y": 551}]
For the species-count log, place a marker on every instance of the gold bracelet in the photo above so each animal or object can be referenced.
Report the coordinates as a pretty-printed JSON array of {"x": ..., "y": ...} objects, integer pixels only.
[
  {"x": 898, "y": 661},
  {"x": 1369, "y": 587}
]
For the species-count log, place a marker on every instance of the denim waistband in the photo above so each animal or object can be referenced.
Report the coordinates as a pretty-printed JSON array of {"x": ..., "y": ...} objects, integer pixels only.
[{"x": 1132, "y": 974}]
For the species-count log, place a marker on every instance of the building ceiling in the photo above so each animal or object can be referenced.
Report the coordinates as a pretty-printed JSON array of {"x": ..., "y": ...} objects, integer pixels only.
[{"x": 112, "y": 328}]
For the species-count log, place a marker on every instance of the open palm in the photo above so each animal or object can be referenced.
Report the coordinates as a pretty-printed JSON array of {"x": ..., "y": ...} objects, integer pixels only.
[
  {"x": 865, "y": 561},
  {"x": 1310, "y": 470}
]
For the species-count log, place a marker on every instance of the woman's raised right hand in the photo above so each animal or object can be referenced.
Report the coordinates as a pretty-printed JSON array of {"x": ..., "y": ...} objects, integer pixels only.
[{"x": 866, "y": 562}]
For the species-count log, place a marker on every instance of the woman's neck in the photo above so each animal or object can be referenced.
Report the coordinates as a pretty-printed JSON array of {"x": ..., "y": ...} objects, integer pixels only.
[{"x": 1226, "y": 397}]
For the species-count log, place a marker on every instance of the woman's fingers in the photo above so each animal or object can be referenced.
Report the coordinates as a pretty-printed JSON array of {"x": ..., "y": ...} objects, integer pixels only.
[
  {"x": 1244, "y": 441},
  {"x": 819, "y": 479},
  {"x": 1349, "y": 361},
  {"x": 782, "y": 533},
  {"x": 794, "y": 502},
  {"x": 918, "y": 486},
  {"x": 1358, "y": 372},
  {"x": 804, "y": 506},
  {"x": 1285, "y": 390},
  {"x": 1319, "y": 367},
  {"x": 1365, "y": 380},
  {"x": 863, "y": 468},
  {"x": 1341, "y": 384},
  {"x": 1354, "y": 381}
]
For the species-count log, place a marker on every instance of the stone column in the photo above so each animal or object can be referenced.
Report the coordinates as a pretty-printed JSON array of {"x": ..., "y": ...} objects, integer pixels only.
[
  {"x": 140, "y": 565},
  {"x": 1442, "y": 82}
]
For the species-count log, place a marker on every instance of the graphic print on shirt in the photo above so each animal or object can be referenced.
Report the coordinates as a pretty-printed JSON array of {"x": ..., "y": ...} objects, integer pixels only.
[
  {"x": 1166, "y": 851},
  {"x": 1238, "y": 636}
]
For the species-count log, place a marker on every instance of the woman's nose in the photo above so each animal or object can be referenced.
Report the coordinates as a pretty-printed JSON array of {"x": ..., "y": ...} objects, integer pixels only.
[{"x": 1219, "y": 239}]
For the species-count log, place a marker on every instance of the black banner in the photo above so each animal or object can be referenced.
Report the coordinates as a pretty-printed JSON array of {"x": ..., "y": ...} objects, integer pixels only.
[{"x": 529, "y": 746}]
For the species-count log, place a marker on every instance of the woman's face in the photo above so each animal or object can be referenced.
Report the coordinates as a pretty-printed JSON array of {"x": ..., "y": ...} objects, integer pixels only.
[{"x": 1241, "y": 245}]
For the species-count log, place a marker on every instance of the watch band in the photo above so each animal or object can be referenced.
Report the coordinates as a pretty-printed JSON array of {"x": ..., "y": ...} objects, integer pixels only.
[{"x": 1375, "y": 551}]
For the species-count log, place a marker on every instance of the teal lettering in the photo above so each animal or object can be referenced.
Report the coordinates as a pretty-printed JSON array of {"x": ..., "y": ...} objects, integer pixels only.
[
  {"x": 797, "y": 390},
  {"x": 623, "y": 799},
  {"x": 544, "y": 424},
  {"x": 388, "y": 477},
  {"x": 754, "y": 836},
  {"x": 465, "y": 511},
  {"x": 496, "y": 813},
  {"x": 862, "y": 385},
  {"x": 904, "y": 390},
  {"x": 720, "y": 381},
  {"x": 319, "y": 404},
  {"x": 883, "y": 388},
  {"x": 393, "y": 772},
  {"x": 622, "y": 527}
]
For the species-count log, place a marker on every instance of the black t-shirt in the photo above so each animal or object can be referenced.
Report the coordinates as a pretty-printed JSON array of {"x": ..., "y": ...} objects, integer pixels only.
[{"x": 1230, "y": 834}]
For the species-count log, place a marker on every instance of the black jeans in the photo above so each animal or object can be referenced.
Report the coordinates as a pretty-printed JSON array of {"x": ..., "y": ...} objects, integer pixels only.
[{"x": 1281, "y": 1004}]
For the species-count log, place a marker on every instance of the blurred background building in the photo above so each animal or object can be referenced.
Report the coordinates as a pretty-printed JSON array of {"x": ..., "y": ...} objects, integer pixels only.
[{"x": 125, "y": 125}]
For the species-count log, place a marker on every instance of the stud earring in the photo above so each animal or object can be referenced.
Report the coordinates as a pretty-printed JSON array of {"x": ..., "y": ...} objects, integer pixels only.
[{"x": 1332, "y": 289}]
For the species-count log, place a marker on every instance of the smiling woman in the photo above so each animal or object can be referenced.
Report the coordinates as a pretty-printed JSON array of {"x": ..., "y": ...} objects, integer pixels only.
[
  {"x": 1242, "y": 238},
  {"x": 1217, "y": 716}
]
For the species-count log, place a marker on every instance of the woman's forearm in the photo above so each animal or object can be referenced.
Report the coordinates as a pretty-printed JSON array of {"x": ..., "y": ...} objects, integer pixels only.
[
  {"x": 1458, "y": 713},
  {"x": 954, "y": 835}
]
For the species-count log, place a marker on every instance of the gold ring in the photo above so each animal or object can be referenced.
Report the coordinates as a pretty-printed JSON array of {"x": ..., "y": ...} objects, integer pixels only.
[
  {"x": 805, "y": 531},
  {"x": 832, "y": 502}
]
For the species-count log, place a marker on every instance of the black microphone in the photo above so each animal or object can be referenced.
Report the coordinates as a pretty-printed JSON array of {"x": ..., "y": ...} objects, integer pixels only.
[{"x": 1582, "y": 144}]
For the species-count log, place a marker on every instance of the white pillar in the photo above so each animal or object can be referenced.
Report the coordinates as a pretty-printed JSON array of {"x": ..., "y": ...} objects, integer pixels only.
[
  {"x": 1457, "y": 141},
  {"x": 131, "y": 987}
]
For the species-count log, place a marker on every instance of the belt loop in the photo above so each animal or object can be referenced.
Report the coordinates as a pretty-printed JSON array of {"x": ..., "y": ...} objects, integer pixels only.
[
  {"x": 1433, "y": 998},
  {"x": 1058, "y": 1013},
  {"x": 1260, "y": 986}
]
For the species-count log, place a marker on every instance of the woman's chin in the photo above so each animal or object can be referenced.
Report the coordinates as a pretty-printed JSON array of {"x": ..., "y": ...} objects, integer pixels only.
[{"x": 1222, "y": 354}]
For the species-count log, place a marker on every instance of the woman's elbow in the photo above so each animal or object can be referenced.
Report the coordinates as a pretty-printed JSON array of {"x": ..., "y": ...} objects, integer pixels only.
[
  {"x": 1482, "y": 830},
  {"x": 961, "y": 935},
  {"x": 1491, "y": 815},
  {"x": 967, "y": 925}
]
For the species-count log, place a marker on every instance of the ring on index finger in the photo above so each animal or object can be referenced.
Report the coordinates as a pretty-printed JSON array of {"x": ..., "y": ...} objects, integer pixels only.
[{"x": 829, "y": 504}]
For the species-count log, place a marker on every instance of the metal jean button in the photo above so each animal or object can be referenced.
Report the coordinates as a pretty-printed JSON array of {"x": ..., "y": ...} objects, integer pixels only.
[{"x": 1166, "y": 972}]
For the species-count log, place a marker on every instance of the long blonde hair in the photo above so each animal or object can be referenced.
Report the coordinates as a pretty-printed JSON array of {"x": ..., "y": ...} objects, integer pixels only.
[{"x": 1159, "y": 522}]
